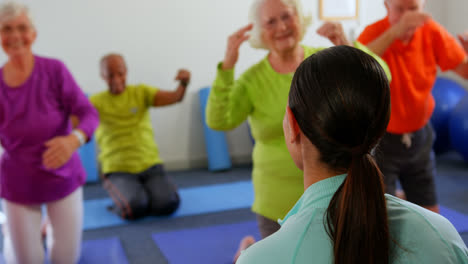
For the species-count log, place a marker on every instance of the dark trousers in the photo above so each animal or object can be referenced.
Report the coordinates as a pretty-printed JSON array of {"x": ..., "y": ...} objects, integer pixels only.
[
  {"x": 150, "y": 192},
  {"x": 267, "y": 226},
  {"x": 413, "y": 166}
]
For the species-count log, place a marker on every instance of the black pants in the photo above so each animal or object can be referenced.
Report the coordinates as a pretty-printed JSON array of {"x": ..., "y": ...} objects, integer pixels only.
[
  {"x": 414, "y": 167},
  {"x": 267, "y": 226},
  {"x": 150, "y": 192}
]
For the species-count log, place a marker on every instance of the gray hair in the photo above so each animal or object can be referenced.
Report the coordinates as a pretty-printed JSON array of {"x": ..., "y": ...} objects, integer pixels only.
[
  {"x": 422, "y": 1},
  {"x": 255, "y": 39},
  {"x": 13, "y": 9}
]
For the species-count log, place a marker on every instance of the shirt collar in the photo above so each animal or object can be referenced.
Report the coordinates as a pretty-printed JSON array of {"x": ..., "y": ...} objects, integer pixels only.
[{"x": 318, "y": 195}]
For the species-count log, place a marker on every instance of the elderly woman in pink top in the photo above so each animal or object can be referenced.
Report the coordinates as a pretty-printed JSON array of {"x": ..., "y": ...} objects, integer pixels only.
[{"x": 39, "y": 164}]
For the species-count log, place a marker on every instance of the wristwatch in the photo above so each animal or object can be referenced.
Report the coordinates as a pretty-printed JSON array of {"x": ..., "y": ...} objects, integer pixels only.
[{"x": 80, "y": 136}]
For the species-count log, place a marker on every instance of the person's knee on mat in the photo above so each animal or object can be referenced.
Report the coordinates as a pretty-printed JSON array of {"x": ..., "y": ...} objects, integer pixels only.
[
  {"x": 165, "y": 206},
  {"x": 136, "y": 207},
  {"x": 139, "y": 205}
]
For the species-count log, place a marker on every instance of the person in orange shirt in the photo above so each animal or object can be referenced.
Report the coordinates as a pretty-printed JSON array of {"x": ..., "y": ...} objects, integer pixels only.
[{"x": 413, "y": 45}]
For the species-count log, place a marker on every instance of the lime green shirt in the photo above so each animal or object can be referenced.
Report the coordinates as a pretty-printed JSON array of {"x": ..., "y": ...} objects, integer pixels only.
[
  {"x": 125, "y": 135},
  {"x": 425, "y": 237},
  {"x": 260, "y": 95}
]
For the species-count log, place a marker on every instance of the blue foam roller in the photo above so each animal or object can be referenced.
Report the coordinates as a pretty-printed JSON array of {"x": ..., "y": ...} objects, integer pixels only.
[
  {"x": 447, "y": 93},
  {"x": 458, "y": 128},
  {"x": 88, "y": 157},
  {"x": 215, "y": 141}
]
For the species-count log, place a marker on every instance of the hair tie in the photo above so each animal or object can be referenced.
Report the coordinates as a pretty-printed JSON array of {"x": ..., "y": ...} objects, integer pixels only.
[{"x": 358, "y": 151}]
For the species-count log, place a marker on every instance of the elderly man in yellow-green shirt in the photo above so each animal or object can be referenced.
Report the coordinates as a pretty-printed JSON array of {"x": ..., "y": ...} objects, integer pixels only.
[{"x": 132, "y": 170}]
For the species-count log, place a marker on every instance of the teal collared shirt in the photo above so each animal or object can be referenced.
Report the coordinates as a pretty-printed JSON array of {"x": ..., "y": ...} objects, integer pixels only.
[{"x": 425, "y": 237}]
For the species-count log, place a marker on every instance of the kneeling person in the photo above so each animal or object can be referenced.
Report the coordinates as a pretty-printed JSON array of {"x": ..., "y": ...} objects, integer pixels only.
[{"x": 133, "y": 171}]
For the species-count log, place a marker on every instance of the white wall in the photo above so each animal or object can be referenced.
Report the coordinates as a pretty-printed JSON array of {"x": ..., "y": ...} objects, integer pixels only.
[
  {"x": 457, "y": 22},
  {"x": 438, "y": 10},
  {"x": 452, "y": 15},
  {"x": 157, "y": 38}
]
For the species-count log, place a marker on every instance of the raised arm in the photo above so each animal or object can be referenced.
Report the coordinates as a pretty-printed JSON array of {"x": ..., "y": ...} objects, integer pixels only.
[
  {"x": 162, "y": 98},
  {"x": 228, "y": 104},
  {"x": 232, "y": 50},
  {"x": 402, "y": 30},
  {"x": 334, "y": 32}
]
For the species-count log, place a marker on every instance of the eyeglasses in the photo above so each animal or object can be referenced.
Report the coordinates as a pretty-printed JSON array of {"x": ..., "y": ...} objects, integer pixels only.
[
  {"x": 22, "y": 29},
  {"x": 287, "y": 17}
]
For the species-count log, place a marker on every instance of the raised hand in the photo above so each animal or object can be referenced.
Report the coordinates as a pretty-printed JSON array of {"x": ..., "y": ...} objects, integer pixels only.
[
  {"x": 408, "y": 24},
  {"x": 334, "y": 32},
  {"x": 234, "y": 42},
  {"x": 183, "y": 76},
  {"x": 464, "y": 40},
  {"x": 59, "y": 151}
]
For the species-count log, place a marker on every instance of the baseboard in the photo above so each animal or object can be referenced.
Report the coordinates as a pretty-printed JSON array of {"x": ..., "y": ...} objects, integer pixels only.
[{"x": 174, "y": 165}]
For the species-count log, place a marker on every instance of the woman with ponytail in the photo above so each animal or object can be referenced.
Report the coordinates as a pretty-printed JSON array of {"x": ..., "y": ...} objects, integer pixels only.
[{"x": 339, "y": 108}]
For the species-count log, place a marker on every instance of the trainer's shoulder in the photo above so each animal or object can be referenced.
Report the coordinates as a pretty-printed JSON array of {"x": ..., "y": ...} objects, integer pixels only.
[
  {"x": 423, "y": 234},
  {"x": 408, "y": 214}
]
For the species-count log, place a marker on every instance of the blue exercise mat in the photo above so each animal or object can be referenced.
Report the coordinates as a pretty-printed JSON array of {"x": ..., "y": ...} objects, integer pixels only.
[
  {"x": 458, "y": 220},
  {"x": 213, "y": 244},
  {"x": 197, "y": 200},
  {"x": 209, "y": 199},
  {"x": 107, "y": 250},
  {"x": 217, "y": 244}
]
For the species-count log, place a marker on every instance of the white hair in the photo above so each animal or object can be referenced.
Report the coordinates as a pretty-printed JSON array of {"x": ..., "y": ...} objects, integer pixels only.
[
  {"x": 255, "y": 39},
  {"x": 13, "y": 9},
  {"x": 422, "y": 1}
]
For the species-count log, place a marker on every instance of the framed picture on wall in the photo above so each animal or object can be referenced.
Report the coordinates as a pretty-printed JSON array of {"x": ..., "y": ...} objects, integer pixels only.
[{"x": 339, "y": 9}]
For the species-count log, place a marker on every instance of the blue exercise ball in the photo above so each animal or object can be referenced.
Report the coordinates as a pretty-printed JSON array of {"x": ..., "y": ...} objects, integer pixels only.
[
  {"x": 458, "y": 127},
  {"x": 447, "y": 93}
]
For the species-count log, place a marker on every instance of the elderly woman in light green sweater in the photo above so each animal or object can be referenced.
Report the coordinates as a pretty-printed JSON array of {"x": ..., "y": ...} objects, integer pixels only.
[{"x": 260, "y": 95}]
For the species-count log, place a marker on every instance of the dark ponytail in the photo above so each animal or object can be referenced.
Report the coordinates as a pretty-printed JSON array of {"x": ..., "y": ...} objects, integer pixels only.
[
  {"x": 357, "y": 216},
  {"x": 340, "y": 98}
]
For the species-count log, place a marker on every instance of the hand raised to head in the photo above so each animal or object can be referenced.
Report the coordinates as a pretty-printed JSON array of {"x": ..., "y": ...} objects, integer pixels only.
[
  {"x": 234, "y": 42},
  {"x": 409, "y": 22}
]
